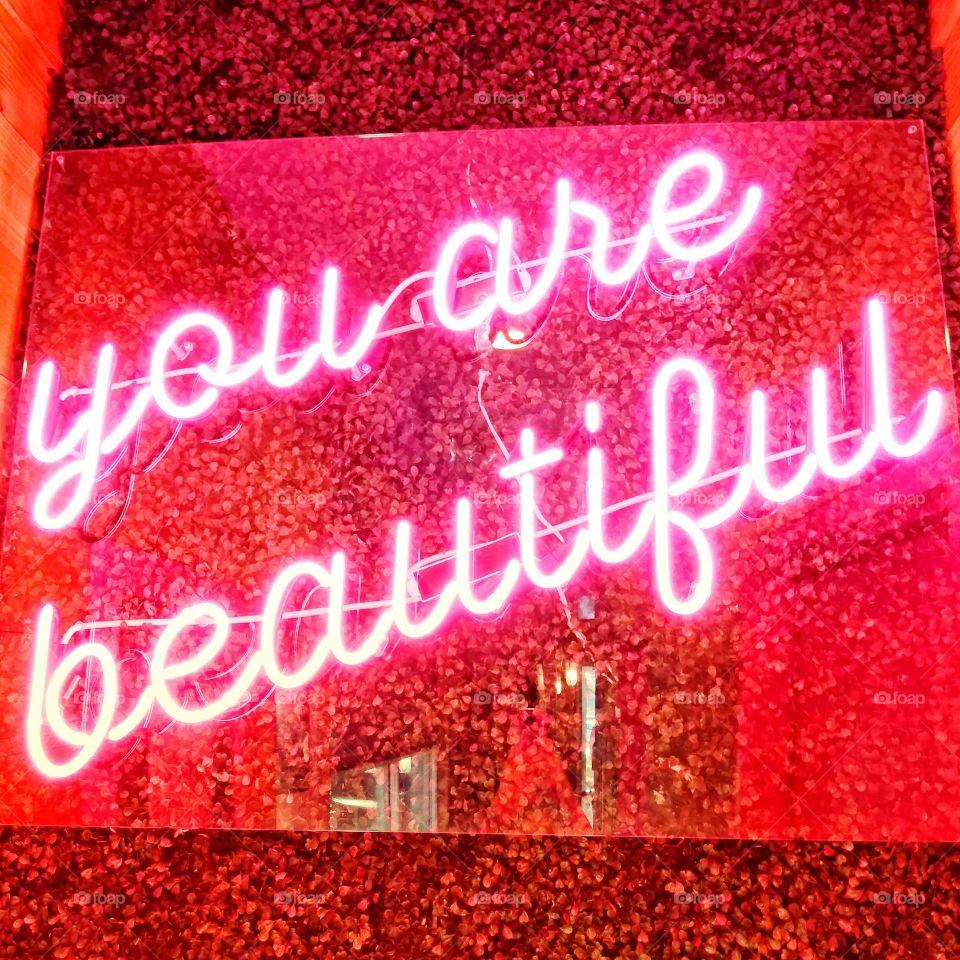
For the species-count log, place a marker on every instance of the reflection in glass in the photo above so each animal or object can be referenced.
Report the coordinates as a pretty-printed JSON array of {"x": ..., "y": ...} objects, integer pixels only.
[{"x": 398, "y": 795}]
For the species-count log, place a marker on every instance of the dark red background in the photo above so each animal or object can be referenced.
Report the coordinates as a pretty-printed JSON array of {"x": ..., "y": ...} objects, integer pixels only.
[{"x": 202, "y": 71}]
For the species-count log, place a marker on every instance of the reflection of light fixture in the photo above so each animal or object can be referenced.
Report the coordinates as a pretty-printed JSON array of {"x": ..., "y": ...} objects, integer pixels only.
[
  {"x": 587, "y": 608},
  {"x": 571, "y": 675},
  {"x": 513, "y": 338},
  {"x": 588, "y": 713},
  {"x": 405, "y": 764},
  {"x": 559, "y": 685},
  {"x": 356, "y": 802}
]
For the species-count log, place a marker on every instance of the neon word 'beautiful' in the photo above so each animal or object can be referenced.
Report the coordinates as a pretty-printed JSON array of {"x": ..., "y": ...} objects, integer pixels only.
[
  {"x": 99, "y": 433},
  {"x": 661, "y": 523}
]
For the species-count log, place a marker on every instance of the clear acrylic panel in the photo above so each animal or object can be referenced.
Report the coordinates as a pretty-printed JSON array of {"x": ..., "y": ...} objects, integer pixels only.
[{"x": 814, "y": 693}]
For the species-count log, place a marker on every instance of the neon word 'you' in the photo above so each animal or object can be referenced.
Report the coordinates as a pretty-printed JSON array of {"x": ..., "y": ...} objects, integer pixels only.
[
  {"x": 99, "y": 432},
  {"x": 663, "y": 525}
]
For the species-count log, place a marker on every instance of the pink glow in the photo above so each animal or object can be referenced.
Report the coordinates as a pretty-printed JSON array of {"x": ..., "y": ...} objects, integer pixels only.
[
  {"x": 42, "y": 689},
  {"x": 596, "y": 506},
  {"x": 663, "y": 215},
  {"x": 164, "y": 668},
  {"x": 497, "y": 598},
  {"x": 757, "y": 434},
  {"x": 174, "y": 409},
  {"x": 332, "y": 581},
  {"x": 880, "y": 392},
  {"x": 44, "y": 388},
  {"x": 523, "y": 471},
  {"x": 666, "y": 516},
  {"x": 271, "y": 349},
  {"x": 330, "y": 351},
  {"x": 65, "y": 493},
  {"x": 549, "y": 272},
  {"x": 662, "y": 517},
  {"x": 83, "y": 472},
  {"x": 446, "y": 277},
  {"x": 632, "y": 263}
]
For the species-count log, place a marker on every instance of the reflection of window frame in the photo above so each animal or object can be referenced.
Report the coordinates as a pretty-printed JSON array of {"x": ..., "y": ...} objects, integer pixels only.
[
  {"x": 588, "y": 727},
  {"x": 389, "y": 798}
]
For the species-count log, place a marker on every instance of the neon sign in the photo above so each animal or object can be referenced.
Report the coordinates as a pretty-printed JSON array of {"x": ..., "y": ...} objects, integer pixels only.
[
  {"x": 660, "y": 520},
  {"x": 662, "y": 525}
]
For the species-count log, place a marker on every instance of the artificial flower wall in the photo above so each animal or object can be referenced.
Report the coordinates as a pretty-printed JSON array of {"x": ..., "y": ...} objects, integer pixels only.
[{"x": 168, "y": 73}]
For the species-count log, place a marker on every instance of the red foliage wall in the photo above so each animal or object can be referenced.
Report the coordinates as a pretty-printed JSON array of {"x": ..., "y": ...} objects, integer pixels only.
[{"x": 184, "y": 70}]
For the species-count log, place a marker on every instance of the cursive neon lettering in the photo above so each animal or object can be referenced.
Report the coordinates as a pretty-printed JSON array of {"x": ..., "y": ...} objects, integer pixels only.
[{"x": 663, "y": 519}]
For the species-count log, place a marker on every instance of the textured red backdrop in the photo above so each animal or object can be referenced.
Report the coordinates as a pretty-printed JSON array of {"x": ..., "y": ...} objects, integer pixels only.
[{"x": 162, "y": 72}]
